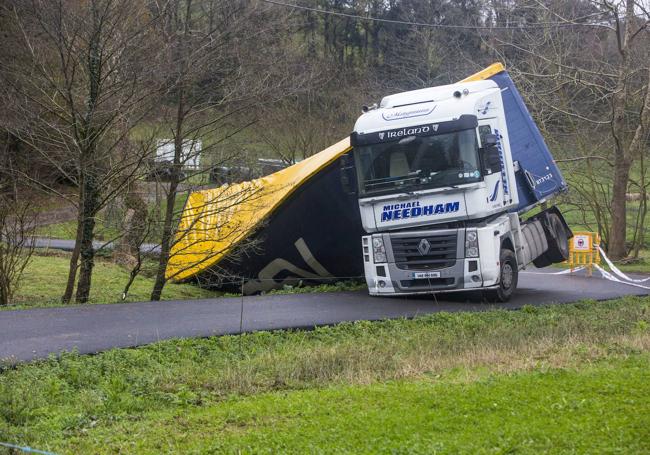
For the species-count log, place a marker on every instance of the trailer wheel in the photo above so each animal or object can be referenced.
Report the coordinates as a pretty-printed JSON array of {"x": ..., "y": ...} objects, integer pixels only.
[
  {"x": 508, "y": 278},
  {"x": 558, "y": 243},
  {"x": 559, "y": 251}
]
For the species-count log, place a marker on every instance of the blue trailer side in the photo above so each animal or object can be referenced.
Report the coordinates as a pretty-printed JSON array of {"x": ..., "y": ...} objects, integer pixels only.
[{"x": 538, "y": 176}]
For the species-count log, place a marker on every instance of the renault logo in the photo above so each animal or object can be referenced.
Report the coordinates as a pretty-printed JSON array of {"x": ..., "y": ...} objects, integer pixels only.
[{"x": 424, "y": 246}]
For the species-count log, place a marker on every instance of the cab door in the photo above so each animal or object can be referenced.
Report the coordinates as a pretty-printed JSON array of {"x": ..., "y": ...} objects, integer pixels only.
[{"x": 496, "y": 182}]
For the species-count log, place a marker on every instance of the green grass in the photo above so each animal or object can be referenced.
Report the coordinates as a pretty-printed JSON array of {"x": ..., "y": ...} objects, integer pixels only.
[
  {"x": 570, "y": 378},
  {"x": 45, "y": 278},
  {"x": 67, "y": 230},
  {"x": 587, "y": 222},
  {"x": 595, "y": 409},
  {"x": 339, "y": 286},
  {"x": 640, "y": 266}
]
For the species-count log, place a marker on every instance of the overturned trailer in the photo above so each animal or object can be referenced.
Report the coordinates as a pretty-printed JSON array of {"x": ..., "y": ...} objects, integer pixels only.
[{"x": 296, "y": 224}]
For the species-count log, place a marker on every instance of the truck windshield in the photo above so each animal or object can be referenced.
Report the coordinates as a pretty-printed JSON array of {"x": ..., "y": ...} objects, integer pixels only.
[{"x": 418, "y": 162}]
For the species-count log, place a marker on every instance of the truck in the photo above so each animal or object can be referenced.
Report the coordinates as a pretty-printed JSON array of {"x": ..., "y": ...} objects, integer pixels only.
[{"x": 453, "y": 185}]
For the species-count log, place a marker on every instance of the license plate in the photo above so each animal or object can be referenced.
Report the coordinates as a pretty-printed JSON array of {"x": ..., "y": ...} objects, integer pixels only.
[{"x": 426, "y": 274}]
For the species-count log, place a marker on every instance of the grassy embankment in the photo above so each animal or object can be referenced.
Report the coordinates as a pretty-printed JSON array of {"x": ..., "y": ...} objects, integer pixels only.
[
  {"x": 563, "y": 379},
  {"x": 45, "y": 278},
  {"x": 67, "y": 230}
]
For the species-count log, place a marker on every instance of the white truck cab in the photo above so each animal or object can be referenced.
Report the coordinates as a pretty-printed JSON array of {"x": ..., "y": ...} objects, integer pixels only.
[{"x": 439, "y": 192}]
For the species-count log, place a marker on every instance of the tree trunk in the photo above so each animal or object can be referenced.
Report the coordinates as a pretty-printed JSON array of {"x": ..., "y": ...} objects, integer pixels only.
[
  {"x": 90, "y": 189},
  {"x": 74, "y": 262},
  {"x": 616, "y": 247},
  {"x": 86, "y": 250},
  {"x": 4, "y": 294},
  {"x": 624, "y": 148},
  {"x": 174, "y": 179},
  {"x": 166, "y": 241}
]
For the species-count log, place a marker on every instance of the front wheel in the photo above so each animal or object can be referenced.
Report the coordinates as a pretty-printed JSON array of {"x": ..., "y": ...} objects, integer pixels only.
[{"x": 508, "y": 277}]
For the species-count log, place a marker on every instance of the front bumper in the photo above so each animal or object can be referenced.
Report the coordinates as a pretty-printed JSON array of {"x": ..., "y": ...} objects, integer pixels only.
[{"x": 390, "y": 279}]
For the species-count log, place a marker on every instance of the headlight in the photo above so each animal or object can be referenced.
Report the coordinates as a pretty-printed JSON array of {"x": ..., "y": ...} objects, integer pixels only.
[
  {"x": 378, "y": 250},
  {"x": 471, "y": 244}
]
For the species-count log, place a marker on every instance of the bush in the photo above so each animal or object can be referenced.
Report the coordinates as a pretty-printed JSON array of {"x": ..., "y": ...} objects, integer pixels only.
[{"x": 16, "y": 245}]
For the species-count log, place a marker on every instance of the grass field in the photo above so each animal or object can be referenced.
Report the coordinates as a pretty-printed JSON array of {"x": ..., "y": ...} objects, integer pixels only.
[
  {"x": 593, "y": 409},
  {"x": 561, "y": 379},
  {"x": 67, "y": 230},
  {"x": 45, "y": 278}
]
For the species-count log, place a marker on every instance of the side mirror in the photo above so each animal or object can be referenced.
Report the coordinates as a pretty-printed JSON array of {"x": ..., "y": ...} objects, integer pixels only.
[
  {"x": 348, "y": 175},
  {"x": 492, "y": 158},
  {"x": 490, "y": 139}
]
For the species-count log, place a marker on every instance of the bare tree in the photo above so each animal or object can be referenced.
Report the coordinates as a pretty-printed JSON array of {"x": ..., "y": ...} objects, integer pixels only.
[
  {"x": 218, "y": 73},
  {"x": 16, "y": 244},
  {"x": 80, "y": 82},
  {"x": 311, "y": 119},
  {"x": 587, "y": 76},
  {"x": 137, "y": 225}
]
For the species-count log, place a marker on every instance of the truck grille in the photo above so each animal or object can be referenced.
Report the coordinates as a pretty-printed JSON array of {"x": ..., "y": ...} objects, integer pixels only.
[{"x": 441, "y": 252}]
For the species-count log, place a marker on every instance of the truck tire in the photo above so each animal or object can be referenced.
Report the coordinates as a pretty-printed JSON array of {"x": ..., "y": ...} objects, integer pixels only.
[
  {"x": 508, "y": 278},
  {"x": 558, "y": 243},
  {"x": 558, "y": 250}
]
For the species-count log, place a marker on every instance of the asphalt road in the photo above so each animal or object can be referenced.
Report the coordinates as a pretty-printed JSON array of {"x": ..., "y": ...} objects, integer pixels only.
[
  {"x": 68, "y": 245},
  {"x": 31, "y": 334}
]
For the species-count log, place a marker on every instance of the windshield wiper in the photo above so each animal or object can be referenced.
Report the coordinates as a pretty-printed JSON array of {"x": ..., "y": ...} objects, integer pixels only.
[
  {"x": 405, "y": 194},
  {"x": 389, "y": 181}
]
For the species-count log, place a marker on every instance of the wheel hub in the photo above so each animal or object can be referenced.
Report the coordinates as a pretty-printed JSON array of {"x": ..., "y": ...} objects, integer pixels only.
[{"x": 506, "y": 275}]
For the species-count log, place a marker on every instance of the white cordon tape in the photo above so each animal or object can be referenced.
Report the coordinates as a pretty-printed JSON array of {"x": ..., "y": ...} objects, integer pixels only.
[
  {"x": 557, "y": 273},
  {"x": 617, "y": 271},
  {"x": 609, "y": 276},
  {"x": 569, "y": 270}
]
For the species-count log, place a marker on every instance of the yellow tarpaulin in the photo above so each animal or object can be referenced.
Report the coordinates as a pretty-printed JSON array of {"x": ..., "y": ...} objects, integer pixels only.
[{"x": 214, "y": 221}]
